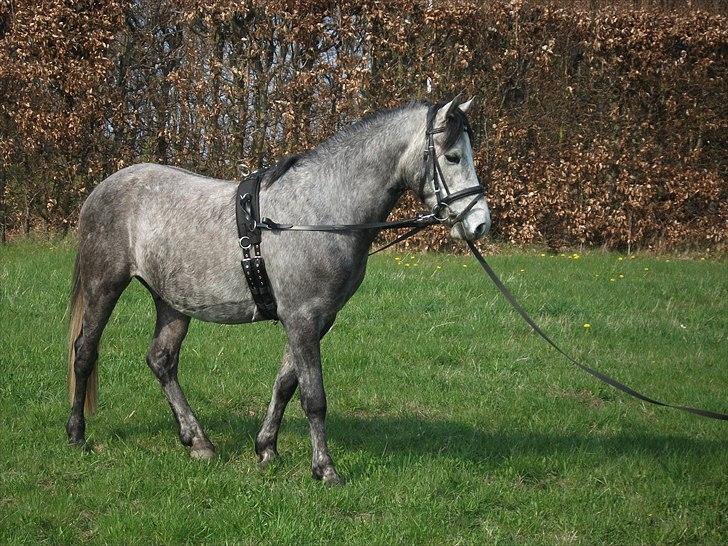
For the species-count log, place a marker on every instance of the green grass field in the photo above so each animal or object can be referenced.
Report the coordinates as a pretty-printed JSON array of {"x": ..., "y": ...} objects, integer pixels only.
[{"x": 451, "y": 421}]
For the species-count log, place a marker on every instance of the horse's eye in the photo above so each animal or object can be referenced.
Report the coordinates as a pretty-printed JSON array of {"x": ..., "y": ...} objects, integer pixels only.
[{"x": 451, "y": 158}]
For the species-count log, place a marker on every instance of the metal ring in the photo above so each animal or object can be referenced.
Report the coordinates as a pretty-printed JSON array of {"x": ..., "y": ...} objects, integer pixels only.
[
  {"x": 245, "y": 246},
  {"x": 436, "y": 211}
]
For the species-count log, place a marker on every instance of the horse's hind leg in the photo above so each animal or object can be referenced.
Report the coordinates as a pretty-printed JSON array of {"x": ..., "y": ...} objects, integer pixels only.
[
  {"x": 95, "y": 309},
  {"x": 163, "y": 358}
]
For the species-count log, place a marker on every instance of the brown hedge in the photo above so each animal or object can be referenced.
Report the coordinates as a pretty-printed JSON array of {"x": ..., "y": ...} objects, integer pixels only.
[{"x": 599, "y": 126}]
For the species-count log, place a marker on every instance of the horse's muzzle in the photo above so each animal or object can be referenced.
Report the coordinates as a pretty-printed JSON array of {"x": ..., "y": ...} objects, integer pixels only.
[{"x": 475, "y": 225}]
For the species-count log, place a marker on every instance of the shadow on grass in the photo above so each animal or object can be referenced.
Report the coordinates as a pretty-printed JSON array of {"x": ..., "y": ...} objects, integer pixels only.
[{"x": 400, "y": 438}]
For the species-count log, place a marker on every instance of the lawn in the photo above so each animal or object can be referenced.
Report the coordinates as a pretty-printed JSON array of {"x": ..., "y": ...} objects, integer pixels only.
[{"x": 451, "y": 421}]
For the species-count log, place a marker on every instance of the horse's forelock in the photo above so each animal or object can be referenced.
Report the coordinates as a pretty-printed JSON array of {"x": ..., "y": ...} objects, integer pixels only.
[{"x": 455, "y": 123}]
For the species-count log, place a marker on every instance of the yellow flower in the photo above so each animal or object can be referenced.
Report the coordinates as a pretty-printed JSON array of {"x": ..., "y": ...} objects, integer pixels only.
[
  {"x": 621, "y": 276},
  {"x": 620, "y": 259},
  {"x": 439, "y": 267},
  {"x": 612, "y": 279},
  {"x": 465, "y": 265},
  {"x": 543, "y": 254},
  {"x": 587, "y": 325},
  {"x": 575, "y": 256},
  {"x": 397, "y": 259},
  {"x": 647, "y": 268},
  {"x": 522, "y": 270}
]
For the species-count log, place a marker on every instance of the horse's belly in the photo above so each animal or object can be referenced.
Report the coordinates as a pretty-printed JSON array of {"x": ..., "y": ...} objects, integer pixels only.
[
  {"x": 204, "y": 286},
  {"x": 224, "y": 313}
]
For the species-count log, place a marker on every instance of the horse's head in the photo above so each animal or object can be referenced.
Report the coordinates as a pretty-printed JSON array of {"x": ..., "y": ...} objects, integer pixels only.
[{"x": 448, "y": 183}]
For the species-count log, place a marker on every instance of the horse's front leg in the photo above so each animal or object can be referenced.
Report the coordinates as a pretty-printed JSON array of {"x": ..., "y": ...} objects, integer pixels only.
[{"x": 304, "y": 346}]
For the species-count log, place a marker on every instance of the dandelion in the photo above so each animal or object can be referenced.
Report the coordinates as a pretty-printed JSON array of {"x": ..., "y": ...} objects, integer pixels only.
[
  {"x": 575, "y": 256},
  {"x": 397, "y": 259},
  {"x": 702, "y": 259},
  {"x": 587, "y": 325},
  {"x": 522, "y": 270},
  {"x": 612, "y": 279},
  {"x": 543, "y": 254},
  {"x": 647, "y": 268},
  {"x": 621, "y": 276},
  {"x": 406, "y": 265},
  {"x": 620, "y": 259},
  {"x": 439, "y": 267},
  {"x": 465, "y": 265}
]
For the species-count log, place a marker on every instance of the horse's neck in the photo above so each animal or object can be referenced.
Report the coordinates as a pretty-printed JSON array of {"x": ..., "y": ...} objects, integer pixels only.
[{"x": 361, "y": 178}]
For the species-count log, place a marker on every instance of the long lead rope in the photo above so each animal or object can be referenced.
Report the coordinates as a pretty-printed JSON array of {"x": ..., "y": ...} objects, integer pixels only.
[{"x": 510, "y": 298}]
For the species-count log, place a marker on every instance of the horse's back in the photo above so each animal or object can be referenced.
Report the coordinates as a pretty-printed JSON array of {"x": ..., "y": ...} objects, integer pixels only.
[{"x": 173, "y": 229}]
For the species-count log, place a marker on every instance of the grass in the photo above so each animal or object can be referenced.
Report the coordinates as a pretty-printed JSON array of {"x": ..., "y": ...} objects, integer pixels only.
[{"x": 451, "y": 422}]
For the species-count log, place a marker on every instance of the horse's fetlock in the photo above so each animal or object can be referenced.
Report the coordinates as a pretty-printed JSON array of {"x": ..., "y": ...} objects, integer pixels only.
[
  {"x": 265, "y": 443},
  {"x": 76, "y": 430}
]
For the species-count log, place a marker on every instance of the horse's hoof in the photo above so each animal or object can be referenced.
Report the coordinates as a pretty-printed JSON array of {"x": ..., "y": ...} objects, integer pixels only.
[
  {"x": 333, "y": 480},
  {"x": 202, "y": 451},
  {"x": 77, "y": 442},
  {"x": 329, "y": 476},
  {"x": 266, "y": 457}
]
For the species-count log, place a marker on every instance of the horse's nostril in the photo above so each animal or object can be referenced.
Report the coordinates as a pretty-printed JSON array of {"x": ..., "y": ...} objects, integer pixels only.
[{"x": 481, "y": 229}]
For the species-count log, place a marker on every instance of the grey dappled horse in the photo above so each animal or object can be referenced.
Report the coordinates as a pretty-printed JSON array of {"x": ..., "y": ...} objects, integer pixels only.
[{"x": 175, "y": 231}]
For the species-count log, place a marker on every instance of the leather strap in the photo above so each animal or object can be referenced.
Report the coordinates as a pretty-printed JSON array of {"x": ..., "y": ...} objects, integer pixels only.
[
  {"x": 510, "y": 298},
  {"x": 247, "y": 212}
]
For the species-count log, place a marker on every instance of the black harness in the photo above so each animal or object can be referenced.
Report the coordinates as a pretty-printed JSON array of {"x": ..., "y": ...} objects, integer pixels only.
[
  {"x": 250, "y": 224},
  {"x": 247, "y": 215}
]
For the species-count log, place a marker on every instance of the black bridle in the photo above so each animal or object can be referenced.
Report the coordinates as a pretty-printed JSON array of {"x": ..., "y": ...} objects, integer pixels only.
[
  {"x": 441, "y": 211},
  {"x": 250, "y": 224}
]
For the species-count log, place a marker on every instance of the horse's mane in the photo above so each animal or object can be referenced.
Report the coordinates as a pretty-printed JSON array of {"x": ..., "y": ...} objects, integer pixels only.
[
  {"x": 455, "y": 123},
  {"x": 281, "y": 167}
]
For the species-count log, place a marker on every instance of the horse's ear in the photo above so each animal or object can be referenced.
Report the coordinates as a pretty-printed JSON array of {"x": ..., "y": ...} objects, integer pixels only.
[
  {"x": 465, "y": 106},
  {"x": 452, "y": 105},
  {"x": 447, "y": 110}
]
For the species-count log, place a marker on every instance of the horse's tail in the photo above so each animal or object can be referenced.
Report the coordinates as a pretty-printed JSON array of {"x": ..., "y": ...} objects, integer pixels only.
[{"x": 77, "y": 307}]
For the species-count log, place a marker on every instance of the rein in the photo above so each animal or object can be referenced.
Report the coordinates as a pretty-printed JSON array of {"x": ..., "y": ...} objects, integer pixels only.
[{"x": 250, "y": 224}]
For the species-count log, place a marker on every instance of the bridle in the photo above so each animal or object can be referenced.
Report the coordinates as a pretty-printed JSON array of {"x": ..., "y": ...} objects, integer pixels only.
[{"x": 442, "y": 211}]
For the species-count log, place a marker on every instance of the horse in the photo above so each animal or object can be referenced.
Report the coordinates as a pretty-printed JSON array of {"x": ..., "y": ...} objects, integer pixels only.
[{"x": 175, "y": 232}]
